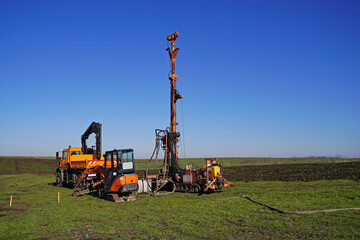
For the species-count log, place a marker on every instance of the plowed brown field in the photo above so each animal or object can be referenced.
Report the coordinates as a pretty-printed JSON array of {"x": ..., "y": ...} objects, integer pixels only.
[
  {"x": 271, "y": 172},
  {"x": 294, "y": 172},
  {"x": 289, "y": 172}
]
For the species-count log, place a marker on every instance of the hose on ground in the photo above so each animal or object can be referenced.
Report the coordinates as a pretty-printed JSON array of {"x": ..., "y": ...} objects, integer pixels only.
[
  {"x": 262, "y": 204},
  {"x": 162, "y": 194},
  {"x": 297, "y": 212}
]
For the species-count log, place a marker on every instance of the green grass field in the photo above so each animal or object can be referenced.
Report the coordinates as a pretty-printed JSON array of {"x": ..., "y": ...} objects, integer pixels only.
[{"x": 36, "y": 214}]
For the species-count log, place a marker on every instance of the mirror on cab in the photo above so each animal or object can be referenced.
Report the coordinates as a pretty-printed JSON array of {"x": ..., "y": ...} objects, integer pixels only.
[{"x": 58, "y": 156}]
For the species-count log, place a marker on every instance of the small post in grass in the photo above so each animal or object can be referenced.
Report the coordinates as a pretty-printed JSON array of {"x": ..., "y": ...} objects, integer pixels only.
[
  {"x": 58, "y": 196},
  {"x": 10, "y": 200}
]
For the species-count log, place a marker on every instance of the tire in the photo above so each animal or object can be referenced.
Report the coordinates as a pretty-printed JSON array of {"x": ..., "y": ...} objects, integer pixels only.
[
  {"x": 196, "y": 188},
  {"x": 73, "y": 178},
  {"x": 58, "y": 179}
]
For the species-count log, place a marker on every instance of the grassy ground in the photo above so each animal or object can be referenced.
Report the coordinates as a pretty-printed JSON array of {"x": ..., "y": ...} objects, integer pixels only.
[
  {"x": 36, "y": 214},
  {"x": 13, "y": 165}
]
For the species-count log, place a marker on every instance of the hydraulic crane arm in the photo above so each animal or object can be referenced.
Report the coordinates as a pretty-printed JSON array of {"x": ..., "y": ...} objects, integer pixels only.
[
  {"x": 98, "y": 169},
  {"x": 93, "y": 128}
]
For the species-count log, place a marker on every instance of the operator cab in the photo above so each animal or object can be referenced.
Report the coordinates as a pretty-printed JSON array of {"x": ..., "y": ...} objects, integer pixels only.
[
  {"x": 121, "y": 161},
  {"x": 119, "y": 165}
]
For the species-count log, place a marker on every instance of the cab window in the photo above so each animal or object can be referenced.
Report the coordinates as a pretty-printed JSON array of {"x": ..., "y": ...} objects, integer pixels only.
[
  {"x": 125, "y": 156},
  {"x": 64, "y": 155},
  {"x": 75, "y": 153}
]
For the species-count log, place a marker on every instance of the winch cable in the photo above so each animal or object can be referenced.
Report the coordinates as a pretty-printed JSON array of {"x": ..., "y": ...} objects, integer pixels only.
[{"x": 182, "y": 109}]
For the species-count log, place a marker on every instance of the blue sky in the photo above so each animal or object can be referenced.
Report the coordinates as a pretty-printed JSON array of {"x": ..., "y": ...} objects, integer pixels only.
[{"x": 259, "y": 78}]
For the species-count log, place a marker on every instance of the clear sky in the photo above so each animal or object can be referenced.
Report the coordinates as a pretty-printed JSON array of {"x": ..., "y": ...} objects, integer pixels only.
[{"x": 259, "y": 78}]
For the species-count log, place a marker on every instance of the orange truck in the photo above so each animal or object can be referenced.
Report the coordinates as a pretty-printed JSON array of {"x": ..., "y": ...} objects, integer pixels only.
[
  {"x": 73, "y": 161},
  {"x": 71, "y": 164}
]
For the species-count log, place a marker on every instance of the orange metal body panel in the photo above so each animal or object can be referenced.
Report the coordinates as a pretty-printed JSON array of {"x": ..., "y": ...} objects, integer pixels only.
[
  {"x": 188, "y": 178},
  {"x": 63, "y": 162},
  {"x": 80, "y": 161},
  {"x": 121, "y": 181}
]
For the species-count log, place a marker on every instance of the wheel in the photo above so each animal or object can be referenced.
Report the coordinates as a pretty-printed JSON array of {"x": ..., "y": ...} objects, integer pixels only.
[
  {"x": 73, "y": 178},
  {"x": 58, "y": 179},
  {"x": 196, "y": 188}
]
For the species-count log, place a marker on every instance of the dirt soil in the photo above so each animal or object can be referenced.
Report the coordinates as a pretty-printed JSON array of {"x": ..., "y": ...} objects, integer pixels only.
[
  {"x": 271, "y": 172},
  {"x": 294, "y": 172}
]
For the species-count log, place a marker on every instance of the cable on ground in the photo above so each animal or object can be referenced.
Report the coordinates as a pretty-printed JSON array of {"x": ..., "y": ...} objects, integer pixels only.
[{"x": 262, "y": 204}]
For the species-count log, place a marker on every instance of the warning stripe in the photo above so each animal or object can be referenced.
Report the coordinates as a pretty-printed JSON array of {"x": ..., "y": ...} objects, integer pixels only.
[{"x": 95, "y": 162}]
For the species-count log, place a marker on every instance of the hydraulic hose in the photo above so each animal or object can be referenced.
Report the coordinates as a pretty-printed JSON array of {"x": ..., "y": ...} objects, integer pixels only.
[{"x": 297, "y": 212}]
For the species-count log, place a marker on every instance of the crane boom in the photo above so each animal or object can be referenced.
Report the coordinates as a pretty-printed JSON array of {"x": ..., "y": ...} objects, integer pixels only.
[{"x": 93, "y": 128}]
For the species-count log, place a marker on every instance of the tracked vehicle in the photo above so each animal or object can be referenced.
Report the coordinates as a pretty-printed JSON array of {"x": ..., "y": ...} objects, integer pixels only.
[{"x": 116, "y": 180}]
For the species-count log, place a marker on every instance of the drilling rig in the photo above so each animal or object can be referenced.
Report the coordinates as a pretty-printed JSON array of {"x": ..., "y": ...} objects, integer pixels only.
[{"x": 206, "y": 178}]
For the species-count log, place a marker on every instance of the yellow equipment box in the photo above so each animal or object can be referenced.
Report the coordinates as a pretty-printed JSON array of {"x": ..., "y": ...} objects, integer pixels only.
[{"x": 214, "y": 171}]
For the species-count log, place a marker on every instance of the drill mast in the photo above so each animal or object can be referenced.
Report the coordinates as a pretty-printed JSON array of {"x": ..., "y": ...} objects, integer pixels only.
[{"x": 174, "y": 96}]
